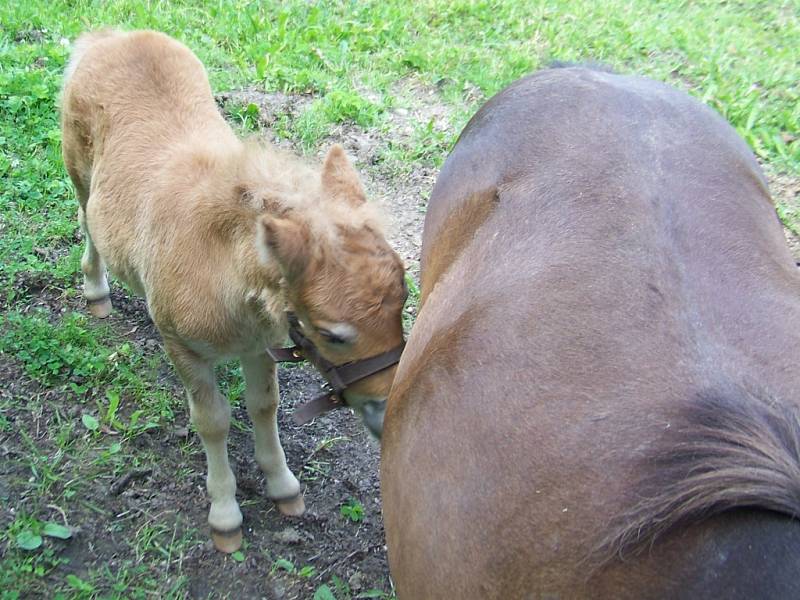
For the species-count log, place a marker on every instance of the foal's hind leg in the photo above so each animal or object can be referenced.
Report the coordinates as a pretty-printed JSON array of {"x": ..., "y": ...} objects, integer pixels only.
[
  {"x": 95, "y": 282},
  {"x": 262, "y": 406},
  {"x": 210, "y": 413}
]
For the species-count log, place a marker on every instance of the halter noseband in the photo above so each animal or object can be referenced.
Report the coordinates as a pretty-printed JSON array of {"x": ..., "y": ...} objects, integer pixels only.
[{"x": 339, "y": 377}]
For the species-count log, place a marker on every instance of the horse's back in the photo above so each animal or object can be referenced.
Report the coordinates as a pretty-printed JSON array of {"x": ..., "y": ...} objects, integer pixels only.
[{"x": 599, "y": 251}]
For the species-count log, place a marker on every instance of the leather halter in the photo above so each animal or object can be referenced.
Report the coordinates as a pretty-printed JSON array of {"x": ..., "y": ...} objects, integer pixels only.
[{"x": 339, "y": 377}]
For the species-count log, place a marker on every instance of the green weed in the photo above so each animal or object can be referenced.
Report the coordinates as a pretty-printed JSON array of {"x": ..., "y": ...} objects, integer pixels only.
[
  {"x": 28, "y": 556},
  {"x": 412, "y": 303},
  {"x": 353, "y": 510},
  {"x": 243, "y": 115}
]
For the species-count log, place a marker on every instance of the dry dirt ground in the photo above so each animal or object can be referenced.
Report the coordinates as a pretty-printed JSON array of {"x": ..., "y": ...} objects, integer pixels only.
[{"x": 335, "y": 458}]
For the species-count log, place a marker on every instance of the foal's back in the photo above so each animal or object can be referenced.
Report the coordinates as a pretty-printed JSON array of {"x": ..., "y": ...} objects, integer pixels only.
[
  {"x": 157, "y": 173},
  {"x": 140, "y": 87},
  {"x": 602, "y": 270}
]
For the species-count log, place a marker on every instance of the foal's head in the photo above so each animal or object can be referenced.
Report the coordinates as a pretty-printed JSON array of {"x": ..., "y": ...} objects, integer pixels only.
[{"x": 342, "y": 280}]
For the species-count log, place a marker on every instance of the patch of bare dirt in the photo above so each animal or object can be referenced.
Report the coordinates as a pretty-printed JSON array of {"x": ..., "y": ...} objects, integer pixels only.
[
  {"x": 786, "y": 190},
  {"x": 272, "y": 105}
]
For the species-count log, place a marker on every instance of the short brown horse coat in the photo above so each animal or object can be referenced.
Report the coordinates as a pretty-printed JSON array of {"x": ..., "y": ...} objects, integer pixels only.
[
  {"x": 220, "y": 237},
  {"x": 600, "y": 256}
]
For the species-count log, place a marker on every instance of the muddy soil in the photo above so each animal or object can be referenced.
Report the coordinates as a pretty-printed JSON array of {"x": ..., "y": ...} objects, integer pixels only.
[
  {"x": 333, "y": 456},
  {"x": 335, "y": 459}
]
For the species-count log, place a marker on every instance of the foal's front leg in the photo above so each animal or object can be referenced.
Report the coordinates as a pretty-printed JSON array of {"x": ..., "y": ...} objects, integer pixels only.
[
  {"x": 210, "y": 413},
  {"x": 262, "y": 405}
]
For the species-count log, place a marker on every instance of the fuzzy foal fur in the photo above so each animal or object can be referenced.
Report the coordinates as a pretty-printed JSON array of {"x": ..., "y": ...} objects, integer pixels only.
[
  {"x": 599, "y": 398},
  {"x": 220, "y": 236}
]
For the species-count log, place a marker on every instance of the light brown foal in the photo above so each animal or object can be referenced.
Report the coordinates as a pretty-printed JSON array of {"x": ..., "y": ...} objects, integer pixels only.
[
  {"x": 221, "y": 237},
  {"x": 600, "y": 398}
]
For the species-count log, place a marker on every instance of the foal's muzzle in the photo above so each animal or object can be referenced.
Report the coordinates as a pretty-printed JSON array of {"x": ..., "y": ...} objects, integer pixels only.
[
  {"x": 339, "y": 377},
  {"x": 372, "y": 412}
]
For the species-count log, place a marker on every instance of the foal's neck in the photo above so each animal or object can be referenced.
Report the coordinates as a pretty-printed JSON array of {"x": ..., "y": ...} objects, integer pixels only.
[{"x": 222, "y": 226}]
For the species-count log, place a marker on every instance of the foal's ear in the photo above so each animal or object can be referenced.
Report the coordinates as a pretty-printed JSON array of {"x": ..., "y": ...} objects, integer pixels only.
[
  {"x": 285, "y": 240},
  {"x": 339, "y": 178}
]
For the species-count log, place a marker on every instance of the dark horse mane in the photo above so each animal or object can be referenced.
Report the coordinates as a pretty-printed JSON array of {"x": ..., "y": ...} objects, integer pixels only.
[{"x": 735, "y": 451}]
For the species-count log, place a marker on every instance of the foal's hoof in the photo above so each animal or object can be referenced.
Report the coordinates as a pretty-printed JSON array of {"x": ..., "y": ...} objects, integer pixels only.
[
  {"x": 292, "y": 507},
  {"x": 100, "y": 308},
  {"x": 227, "y": 541}
]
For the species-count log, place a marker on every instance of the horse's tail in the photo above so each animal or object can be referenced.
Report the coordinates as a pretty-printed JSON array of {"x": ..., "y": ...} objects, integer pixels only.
[{"x": 734, "y": 452}]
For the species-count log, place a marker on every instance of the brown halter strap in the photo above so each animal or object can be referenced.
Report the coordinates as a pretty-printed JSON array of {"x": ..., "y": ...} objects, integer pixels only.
[{"x": 339, "y": 377}]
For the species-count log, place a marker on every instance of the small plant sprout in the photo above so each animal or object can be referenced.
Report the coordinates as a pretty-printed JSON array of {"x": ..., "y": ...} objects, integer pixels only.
[
  {"x": 308, "y": 572},
  {"x": 282, "y": 564},
  {"x": 352, "y": 510}
]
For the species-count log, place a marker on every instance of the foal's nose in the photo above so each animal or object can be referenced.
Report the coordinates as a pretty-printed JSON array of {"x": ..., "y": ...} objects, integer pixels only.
[{"x": 372, "y": 413}]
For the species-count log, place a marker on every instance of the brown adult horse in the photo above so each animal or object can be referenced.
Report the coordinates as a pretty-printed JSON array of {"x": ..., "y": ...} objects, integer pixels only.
[{"x": 600, "y": 396}]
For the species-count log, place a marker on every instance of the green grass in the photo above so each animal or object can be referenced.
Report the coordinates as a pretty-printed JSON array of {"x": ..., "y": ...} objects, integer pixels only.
[
  {"x": 737, "y": 56},
  {"x": 354, "y": 63},
  {"x": 88, "y": 360}
]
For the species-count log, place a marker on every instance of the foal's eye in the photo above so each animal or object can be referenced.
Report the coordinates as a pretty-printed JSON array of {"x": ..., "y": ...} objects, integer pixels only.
[{"x": 331, "y": 337}]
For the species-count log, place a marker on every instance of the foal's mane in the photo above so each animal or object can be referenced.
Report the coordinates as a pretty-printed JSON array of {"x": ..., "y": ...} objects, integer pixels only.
[
  {"x": 263, "y": 179},
  {"x": 735, "y": 451},
  {"x": 282, "y": 179}
]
